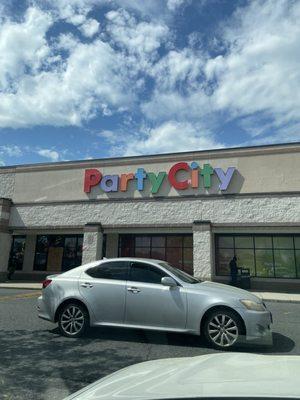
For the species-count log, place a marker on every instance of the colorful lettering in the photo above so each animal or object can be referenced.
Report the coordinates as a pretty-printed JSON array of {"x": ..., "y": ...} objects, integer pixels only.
[
  {"x": 92, "y": 177},
  {"x": 140, "y": 176},
  {"x": 207, "y": 172},
  {"x": 179, "y": 185},
  {"x": 224, "y": 177},
  {"x": 124, "y": 181},
  {"x": 191, "y": 180},
  {"x": 156, "y": 181},
  {"x": 109, "y": 183}
]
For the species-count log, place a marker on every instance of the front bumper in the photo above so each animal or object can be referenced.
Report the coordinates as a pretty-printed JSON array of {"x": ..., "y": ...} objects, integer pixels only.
[{"x": 258, "y": 326}]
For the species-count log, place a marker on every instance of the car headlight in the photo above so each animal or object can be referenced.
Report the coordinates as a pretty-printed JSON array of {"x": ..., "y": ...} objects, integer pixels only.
[{"x": 252, "y": 305}]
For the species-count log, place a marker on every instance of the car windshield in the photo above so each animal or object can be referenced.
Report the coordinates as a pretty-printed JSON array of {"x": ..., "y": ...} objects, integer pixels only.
[{"x": 180, "y": 274}]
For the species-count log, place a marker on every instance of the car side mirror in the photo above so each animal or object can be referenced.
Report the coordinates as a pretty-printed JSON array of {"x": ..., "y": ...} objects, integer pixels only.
[{"x": 168, "y": 281}]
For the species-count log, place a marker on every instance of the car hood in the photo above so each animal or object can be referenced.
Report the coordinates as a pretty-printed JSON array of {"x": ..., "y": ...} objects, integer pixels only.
[
  {"x": 221, "y": 288},
  {"x": 213, "y": 375}
]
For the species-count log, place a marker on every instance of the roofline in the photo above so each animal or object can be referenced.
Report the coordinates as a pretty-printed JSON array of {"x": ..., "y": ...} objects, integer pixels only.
[{"x": 164, "y": 157}]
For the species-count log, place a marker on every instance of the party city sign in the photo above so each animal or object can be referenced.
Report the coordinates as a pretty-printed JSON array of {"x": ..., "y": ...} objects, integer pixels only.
[{"x": 181, "y": 176}]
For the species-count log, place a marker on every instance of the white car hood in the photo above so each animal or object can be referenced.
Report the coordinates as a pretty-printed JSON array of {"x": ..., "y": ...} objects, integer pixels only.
[{"x": 213, "y": 375}]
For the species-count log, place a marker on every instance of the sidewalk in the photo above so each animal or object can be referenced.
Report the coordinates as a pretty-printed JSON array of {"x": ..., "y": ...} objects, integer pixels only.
[
  {"x": 278, "y": 297},
  {"x": 266, "y": 296},
  {"x": 21, "y": 285}
]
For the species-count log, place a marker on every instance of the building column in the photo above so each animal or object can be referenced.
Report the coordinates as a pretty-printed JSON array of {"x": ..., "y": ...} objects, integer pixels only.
[
  {"x": 202, "y": 250},
  {"x": 92, "y": 243},
  {"x": 5, "y": 237}
]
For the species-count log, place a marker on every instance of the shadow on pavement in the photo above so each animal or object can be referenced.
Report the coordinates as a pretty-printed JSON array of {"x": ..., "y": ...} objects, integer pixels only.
[
  {"x": 40, "y": 360},
  {"x": 281, "y": 343},
  {"x": 35, "y": 360}
]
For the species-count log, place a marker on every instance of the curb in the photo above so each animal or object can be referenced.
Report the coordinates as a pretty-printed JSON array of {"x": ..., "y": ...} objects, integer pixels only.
[
  {"x": 281, "y": 301},
  {"x": 20, "y": 288}
]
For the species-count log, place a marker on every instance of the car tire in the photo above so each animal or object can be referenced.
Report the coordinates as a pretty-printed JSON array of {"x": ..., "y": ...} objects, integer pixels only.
[
  {"x": 73, "y": 320},
  {"x": 223, "y": 329}
]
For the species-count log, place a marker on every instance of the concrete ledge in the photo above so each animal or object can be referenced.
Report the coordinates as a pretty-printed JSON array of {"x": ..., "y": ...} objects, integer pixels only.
[
  {"x": 278, "y": 297},
  {"x": 21, "y": 285}
]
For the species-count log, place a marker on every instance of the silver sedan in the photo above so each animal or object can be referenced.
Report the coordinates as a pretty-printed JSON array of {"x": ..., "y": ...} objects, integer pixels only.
[{"x": 152, "y": 294}]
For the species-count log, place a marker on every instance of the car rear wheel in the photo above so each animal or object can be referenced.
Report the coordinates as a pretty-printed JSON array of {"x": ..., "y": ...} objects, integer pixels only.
[
  {"x": 223, "y": 329},
  {"x": 73, "y": 320}
]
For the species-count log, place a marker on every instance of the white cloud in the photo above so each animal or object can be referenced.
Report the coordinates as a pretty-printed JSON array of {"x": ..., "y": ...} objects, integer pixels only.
[
  {"x": 48, "y": 153},
  {"x": 90, "y": 27},
  {"x": 174, "y": 4},
  {"x": 11, "y": 150},
  {"x": 142, "y": 39},
  {"x": 94, "y": 78},
  {"x": 23, "y": 45},
  {"x": 62, "y": 81},
  {"x": 255, "y": 80},
  {"x": 80, "y": 88},
  {"x": 171, "y": 136},
  {"x": 74, "y": 11},
  {"x": 178, "y": 68},
  {"x": 109, "y": 136},
  {"x": 260, "y": 72},
  {"x": 172, "y": 104}
]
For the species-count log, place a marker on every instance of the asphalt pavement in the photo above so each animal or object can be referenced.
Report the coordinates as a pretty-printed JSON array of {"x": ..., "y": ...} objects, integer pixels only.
[{"x": 37, "y": 363}]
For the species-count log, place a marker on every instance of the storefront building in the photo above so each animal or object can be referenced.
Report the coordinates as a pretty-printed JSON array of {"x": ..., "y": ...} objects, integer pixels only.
[{"x": 195, "y": 210}]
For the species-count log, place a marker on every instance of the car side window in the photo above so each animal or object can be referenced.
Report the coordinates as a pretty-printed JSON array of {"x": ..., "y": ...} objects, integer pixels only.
[
  {"x": 117, "y": 270},
  {"x": 141, "y": 272}
]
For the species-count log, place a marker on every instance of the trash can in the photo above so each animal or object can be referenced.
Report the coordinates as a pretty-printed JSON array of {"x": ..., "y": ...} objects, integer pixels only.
[{"x": 243, "y": 280}]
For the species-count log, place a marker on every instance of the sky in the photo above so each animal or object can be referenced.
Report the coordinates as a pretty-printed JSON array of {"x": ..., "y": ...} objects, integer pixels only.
[{"x": 84, "y": 79}]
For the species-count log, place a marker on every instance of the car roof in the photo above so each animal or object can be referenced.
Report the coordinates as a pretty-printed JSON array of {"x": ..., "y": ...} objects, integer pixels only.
[
  {"x": 134, "y": 259},
  {"x": 75, "y": 272}
]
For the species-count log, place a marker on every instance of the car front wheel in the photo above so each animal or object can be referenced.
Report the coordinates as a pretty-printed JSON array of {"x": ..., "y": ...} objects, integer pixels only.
[
  {"x": 73, "y": 320},
  {"x": 223, "y": 329}
]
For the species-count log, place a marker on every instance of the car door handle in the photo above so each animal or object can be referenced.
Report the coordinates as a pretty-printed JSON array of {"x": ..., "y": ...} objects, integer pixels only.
[
  {"x": 86, "y": 285},
  {"x": 133, "y": 289}
]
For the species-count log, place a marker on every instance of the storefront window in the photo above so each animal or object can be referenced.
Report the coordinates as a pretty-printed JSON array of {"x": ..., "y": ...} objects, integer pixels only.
[
  {"x": 264, "y": 263},
  {"x": 263, "y": 242},
  {"x": 224, "y": 257},
  {"x": 244, "y": 242},
  {"x": 176, "y": 249},
  {"x": 267, "y": 256},
  {"x": 17, "y": 253},
  {"x": 285, "y": 263},
  {"x": 246, "y": 259},
  {"x": 283, "y": 242},
  {"x": 58, "y": 252}
]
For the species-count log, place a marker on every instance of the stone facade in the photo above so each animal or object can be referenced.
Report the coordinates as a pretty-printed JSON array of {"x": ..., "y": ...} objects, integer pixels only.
[
  {"x": 92, "y": 243},
  {"x": 232, "y": 210},
  {"x": 7, "y": 185},
  {"x": 202, "y": 254}
]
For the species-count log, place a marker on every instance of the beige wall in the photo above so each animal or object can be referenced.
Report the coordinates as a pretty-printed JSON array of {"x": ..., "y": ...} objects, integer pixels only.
[{"x": 256, "y": 173}]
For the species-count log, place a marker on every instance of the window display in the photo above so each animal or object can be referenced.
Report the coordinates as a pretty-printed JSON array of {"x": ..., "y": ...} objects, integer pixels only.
[{"x": 266, "y": 256}]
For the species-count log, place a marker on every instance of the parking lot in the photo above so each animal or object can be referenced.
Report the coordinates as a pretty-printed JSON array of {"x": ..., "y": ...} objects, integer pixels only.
[{"x": 37, "y": 363}]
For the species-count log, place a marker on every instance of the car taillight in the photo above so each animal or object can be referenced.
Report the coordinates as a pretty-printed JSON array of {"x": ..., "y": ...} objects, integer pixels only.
[{"x": 46, "y": 283}]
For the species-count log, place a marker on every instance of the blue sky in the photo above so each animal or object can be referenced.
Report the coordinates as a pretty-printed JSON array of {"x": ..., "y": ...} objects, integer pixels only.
[{"x": 100, "y": 78}]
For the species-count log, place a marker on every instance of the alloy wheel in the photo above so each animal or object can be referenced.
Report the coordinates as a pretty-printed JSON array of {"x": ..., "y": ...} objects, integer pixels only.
[
  {"x": 223, "y": 330},
  {"x": 72, "y": 320}
]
